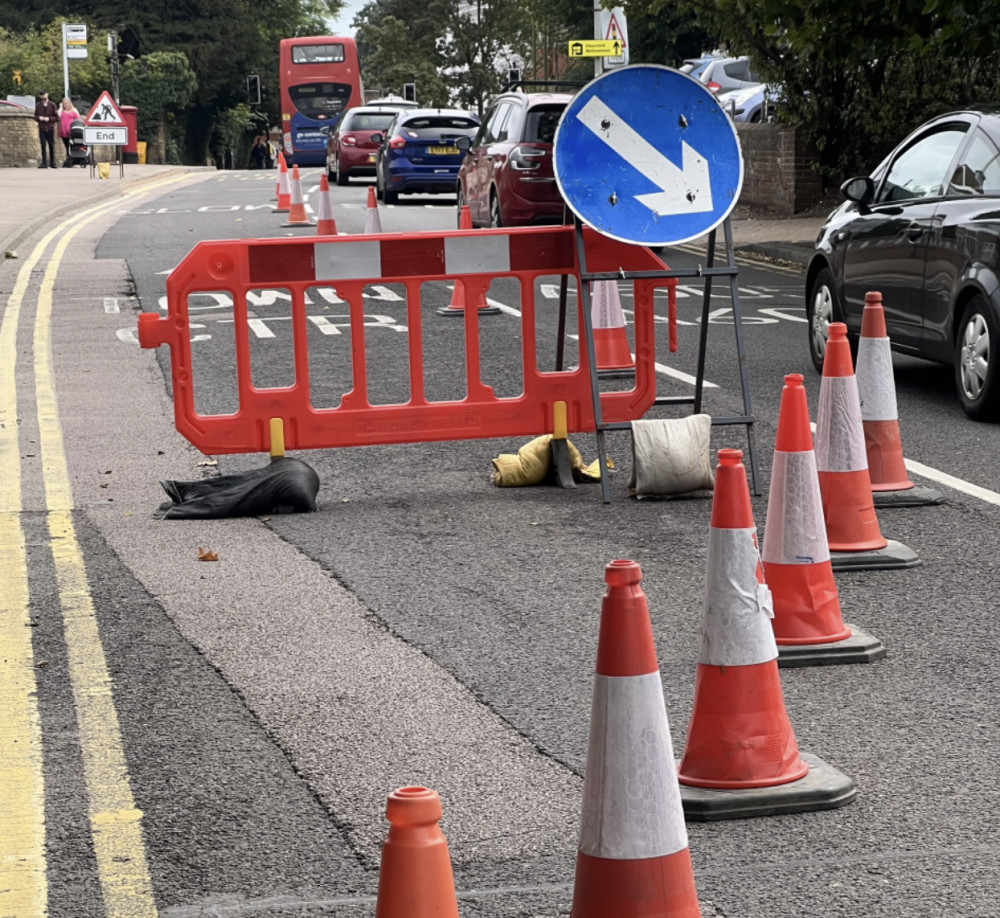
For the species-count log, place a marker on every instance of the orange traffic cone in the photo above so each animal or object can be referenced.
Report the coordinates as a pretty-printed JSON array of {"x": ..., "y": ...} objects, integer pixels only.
[
  {"x": 280, "y": 162},
  {"x": 415, "y": 879},
  {"x": 456, "y": 307},
  {"x": 877, "y": 394},
  {"x": 739, "y": 738},
  {"x": 851, "y": 524},
  {"x": 807, "y": 620},
  {"x": 284, "y": 192},
  {"x": 611, "y": 350},
  {"x": 739, "y": 735},
  {"x": 633, "y": 859},
  {"x": 373, "y": 223},
  {"x": 891, "y": 486},
  {"x": 325, "y": 224},
  {"x": 297, "y": 208}
]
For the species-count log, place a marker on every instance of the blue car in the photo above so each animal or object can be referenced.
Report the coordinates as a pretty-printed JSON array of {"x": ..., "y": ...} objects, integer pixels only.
[{"x": 418, "y": 154}]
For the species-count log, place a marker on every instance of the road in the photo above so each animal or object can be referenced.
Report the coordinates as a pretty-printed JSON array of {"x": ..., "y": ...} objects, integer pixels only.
[{"x": 425, "y": 627}]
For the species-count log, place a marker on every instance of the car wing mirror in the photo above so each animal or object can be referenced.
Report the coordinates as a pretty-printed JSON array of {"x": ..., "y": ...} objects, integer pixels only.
[
  {"x": 464, "y": 143},
  {"x": 377, "y": 138},
  {"x": 860, "y": 190}
]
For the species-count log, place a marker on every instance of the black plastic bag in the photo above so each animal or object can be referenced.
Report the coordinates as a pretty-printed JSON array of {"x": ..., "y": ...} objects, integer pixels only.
[{"x": 285, "y": 486}]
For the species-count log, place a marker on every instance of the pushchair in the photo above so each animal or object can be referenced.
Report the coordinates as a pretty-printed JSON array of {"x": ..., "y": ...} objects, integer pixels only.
[{"x": 79, "y": 154}]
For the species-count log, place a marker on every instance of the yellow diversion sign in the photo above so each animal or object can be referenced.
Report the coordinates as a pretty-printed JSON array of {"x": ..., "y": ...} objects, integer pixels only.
[{"x": 595, "y": 48}]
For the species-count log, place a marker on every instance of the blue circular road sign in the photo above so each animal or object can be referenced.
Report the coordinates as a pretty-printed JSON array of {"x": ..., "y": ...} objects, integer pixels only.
[{"x": 646, "y": 154}]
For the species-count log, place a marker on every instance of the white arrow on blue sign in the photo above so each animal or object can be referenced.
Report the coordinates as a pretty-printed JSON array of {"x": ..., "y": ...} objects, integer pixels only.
[{"x": 645, "y": 154}]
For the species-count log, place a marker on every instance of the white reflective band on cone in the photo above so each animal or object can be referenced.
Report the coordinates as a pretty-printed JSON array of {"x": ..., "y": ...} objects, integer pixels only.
[
  {"x": 796, "y": 529},
  {"x": 736, "y": 628},
  {"x": 606, "y": 311},
  {"x": 840, "y": 438},
  {"x": 876, "y": 384},
  {"x": 631, "y": 801}
]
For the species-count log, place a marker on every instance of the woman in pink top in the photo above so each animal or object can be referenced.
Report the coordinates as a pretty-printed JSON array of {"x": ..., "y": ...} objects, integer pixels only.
[{"x": 67, "y": 115}]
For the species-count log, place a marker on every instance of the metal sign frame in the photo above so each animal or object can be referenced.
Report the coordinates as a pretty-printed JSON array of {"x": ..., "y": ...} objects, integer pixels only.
[{"x": 707, "y": 273}]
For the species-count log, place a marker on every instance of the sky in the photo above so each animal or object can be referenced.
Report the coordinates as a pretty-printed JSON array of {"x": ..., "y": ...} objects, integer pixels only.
[{"x": 342, "y": 24}]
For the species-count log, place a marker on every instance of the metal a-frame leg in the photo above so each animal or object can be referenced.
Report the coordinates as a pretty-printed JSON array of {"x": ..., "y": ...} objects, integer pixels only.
[{"x": 588, "y": 337}]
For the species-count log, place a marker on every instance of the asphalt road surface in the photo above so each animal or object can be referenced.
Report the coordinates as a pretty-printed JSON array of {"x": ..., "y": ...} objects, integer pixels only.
[{"x": 218, "y": 737}]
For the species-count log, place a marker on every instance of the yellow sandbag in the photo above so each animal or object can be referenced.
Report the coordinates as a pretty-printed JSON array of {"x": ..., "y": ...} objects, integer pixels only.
[{"x": 531, "y": 464}]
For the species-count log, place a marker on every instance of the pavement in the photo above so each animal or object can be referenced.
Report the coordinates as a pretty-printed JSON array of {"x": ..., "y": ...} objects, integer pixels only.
[{"x": 35, "y": 198}]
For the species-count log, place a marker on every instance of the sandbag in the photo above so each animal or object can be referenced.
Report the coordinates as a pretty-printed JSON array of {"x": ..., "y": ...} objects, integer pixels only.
[
  {"x": 671, "y": 456},
  {"x": 532, "y": 463},
  {"x": 287, "y": 485}
]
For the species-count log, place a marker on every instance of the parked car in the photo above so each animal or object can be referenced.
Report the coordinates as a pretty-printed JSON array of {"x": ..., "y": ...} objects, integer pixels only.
[
  {"x": 751, "y": 104},
  {"x": 350, "y": 149},
  {"x": 727, "y": 74},
  {"x": 693, "y": 66},
  {"x": 507, "y": 177},
  {"x": 16, "y": 106},
  {"x": 924, "y": 230},
  {"x": 418, "y": 152}
]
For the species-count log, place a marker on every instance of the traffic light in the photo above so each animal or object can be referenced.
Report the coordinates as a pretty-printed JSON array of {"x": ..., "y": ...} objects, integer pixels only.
[
  {"x": 253, "y": 89},
  {"x": 410, "y": 92},
  {"x": 513, "y": 75}
]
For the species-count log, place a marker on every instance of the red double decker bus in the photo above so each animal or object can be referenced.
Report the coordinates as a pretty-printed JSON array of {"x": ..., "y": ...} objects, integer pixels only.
[{"x": 320, "y": 79}]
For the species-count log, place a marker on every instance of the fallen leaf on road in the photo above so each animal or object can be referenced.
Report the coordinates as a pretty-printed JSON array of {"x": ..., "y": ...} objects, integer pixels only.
[{"x": 207, "y": 555}]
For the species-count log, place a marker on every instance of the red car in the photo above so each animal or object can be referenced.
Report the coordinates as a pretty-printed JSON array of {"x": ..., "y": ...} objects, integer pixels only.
[
  {"x": 506, "y": 178},
  {"x": 349, "y": 147}
]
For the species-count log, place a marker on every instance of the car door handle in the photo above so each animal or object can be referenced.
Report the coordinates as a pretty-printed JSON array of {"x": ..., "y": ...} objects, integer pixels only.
[{"x": 914, "y": 233}]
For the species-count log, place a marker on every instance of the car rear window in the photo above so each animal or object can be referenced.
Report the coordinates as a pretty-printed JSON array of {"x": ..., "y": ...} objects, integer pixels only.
[
  {"x": 374, "y": 121},
  {"x": 540, "y": 125},
  {"x": 430, "y": 124}
]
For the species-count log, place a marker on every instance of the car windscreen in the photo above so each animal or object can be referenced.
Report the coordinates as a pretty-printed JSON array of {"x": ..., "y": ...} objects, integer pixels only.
[
  {"x": 541, "y": 122},
  {"x": 433, "y": 125}
]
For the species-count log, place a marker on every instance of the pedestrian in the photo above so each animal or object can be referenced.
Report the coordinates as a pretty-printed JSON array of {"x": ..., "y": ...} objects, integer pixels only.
[
  {"x": 47, "y": 116},
  {"x": 67, "y": 115},
  {"x": 269, "y": 153},
  {"x": 258, "y": 153}
]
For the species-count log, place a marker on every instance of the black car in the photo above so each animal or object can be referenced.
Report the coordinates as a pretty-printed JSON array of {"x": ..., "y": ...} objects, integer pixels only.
[{"x": 924, "y": 230}]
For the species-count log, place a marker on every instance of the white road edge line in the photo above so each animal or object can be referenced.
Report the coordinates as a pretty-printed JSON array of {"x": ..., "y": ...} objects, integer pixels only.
[{"x": 958, "y": 484}]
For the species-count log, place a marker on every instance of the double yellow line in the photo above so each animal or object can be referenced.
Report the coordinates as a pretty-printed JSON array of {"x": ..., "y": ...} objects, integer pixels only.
[{"x": 115, "y": 822}]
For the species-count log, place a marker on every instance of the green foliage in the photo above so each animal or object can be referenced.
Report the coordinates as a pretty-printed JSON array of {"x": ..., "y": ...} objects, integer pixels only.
[
  {"x": 38, "y": 57},
  {"x": 223, "y": 42},
  {"x": 858, "y": 75},
  {"x": 160, "y": 85}
]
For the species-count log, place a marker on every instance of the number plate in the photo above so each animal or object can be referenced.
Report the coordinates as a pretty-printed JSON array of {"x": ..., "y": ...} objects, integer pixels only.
[{"x": 442, "y": 150}]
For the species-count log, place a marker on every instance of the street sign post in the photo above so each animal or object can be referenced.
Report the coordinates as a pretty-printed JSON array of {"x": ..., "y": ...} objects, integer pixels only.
[{"x": 645, "y": 154}]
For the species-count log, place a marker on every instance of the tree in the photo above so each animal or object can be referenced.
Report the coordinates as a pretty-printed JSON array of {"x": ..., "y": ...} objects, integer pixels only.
[
  {"x": 857, "y": 75},
  {"x": 223, "y": 41},
  {"x": 477, "y": 45},
  {"x": 394, "y": 52},
  {"x": 160, "y": 85}
]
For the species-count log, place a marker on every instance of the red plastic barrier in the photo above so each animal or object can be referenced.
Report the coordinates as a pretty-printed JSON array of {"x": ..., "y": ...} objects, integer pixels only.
[{"x": 349, "y": 264}]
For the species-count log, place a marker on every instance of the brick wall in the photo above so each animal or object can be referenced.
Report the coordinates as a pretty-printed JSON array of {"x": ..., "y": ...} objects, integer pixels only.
[
  {"x": 19, "y": 139},
  {"x": 778, "y": 174}
]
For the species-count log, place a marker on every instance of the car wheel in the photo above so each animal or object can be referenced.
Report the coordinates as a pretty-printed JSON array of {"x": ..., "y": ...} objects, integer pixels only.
[
  {"x": 977, "y": 352},
  {"x": 495, "y": 221},
  {"x": 390, "y": 197},
  {"x": 460, "y": 202},
  {"x": 378, "y": 182},
  {"x": 821, "y": 309},
  {"x": 330, "y": 174},
  {"x": 340, "y": 177}
]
